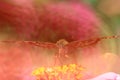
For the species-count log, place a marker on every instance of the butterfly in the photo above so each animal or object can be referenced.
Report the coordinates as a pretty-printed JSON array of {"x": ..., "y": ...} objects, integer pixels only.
[{"x": 64, "y": 50}]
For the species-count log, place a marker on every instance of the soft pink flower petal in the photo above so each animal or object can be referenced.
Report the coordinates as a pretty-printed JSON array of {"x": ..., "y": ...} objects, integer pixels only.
[{"x": 107, "y": 76}]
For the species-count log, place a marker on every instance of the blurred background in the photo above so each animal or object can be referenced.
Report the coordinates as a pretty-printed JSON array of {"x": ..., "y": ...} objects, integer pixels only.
[{"x": 108, "y": 12}]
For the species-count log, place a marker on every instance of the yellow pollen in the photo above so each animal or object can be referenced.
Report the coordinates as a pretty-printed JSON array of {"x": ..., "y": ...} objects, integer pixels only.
[{"x": 65, "y": 72}]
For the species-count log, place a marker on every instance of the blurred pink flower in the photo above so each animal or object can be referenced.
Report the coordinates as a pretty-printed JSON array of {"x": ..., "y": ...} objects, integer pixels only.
[
  {"x": 23, "y": 19},
  {"x": 107, "y": 76},
  {"x": 71, "y": 21}
]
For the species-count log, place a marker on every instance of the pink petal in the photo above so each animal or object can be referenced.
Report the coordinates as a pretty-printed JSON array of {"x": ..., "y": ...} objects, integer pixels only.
[{"x": 107, "y": 76}]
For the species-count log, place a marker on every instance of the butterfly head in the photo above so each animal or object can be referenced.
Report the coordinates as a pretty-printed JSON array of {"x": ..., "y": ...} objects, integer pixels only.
[{"x": 61, "y": 43}]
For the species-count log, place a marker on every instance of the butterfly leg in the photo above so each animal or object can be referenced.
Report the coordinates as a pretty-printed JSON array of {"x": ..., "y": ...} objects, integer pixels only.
[{"x": 57, "y": 60}]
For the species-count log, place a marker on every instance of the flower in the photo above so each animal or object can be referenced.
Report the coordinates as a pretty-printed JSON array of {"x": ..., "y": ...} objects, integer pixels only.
[
  {"x": 107, "y": 76},
  {"x": 65, "y": 72},
  {"x": 70, "y": 21}
]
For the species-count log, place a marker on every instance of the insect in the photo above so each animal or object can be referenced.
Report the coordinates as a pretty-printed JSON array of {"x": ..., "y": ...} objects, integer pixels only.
[{"x": 64, "y": 48}]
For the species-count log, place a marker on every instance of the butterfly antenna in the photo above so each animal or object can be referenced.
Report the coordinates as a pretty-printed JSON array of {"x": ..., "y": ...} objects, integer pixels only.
[{"x": 110, "y": 37}]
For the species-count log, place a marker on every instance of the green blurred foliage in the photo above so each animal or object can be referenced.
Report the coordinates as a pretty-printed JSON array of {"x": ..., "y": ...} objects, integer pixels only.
[{"x": 113, "y": 20}]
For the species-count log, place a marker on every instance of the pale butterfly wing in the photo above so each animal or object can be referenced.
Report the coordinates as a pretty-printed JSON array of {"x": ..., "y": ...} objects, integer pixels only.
[
  {"x": 77, "y": 50},
  {"x": 19, "y": 58}
]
